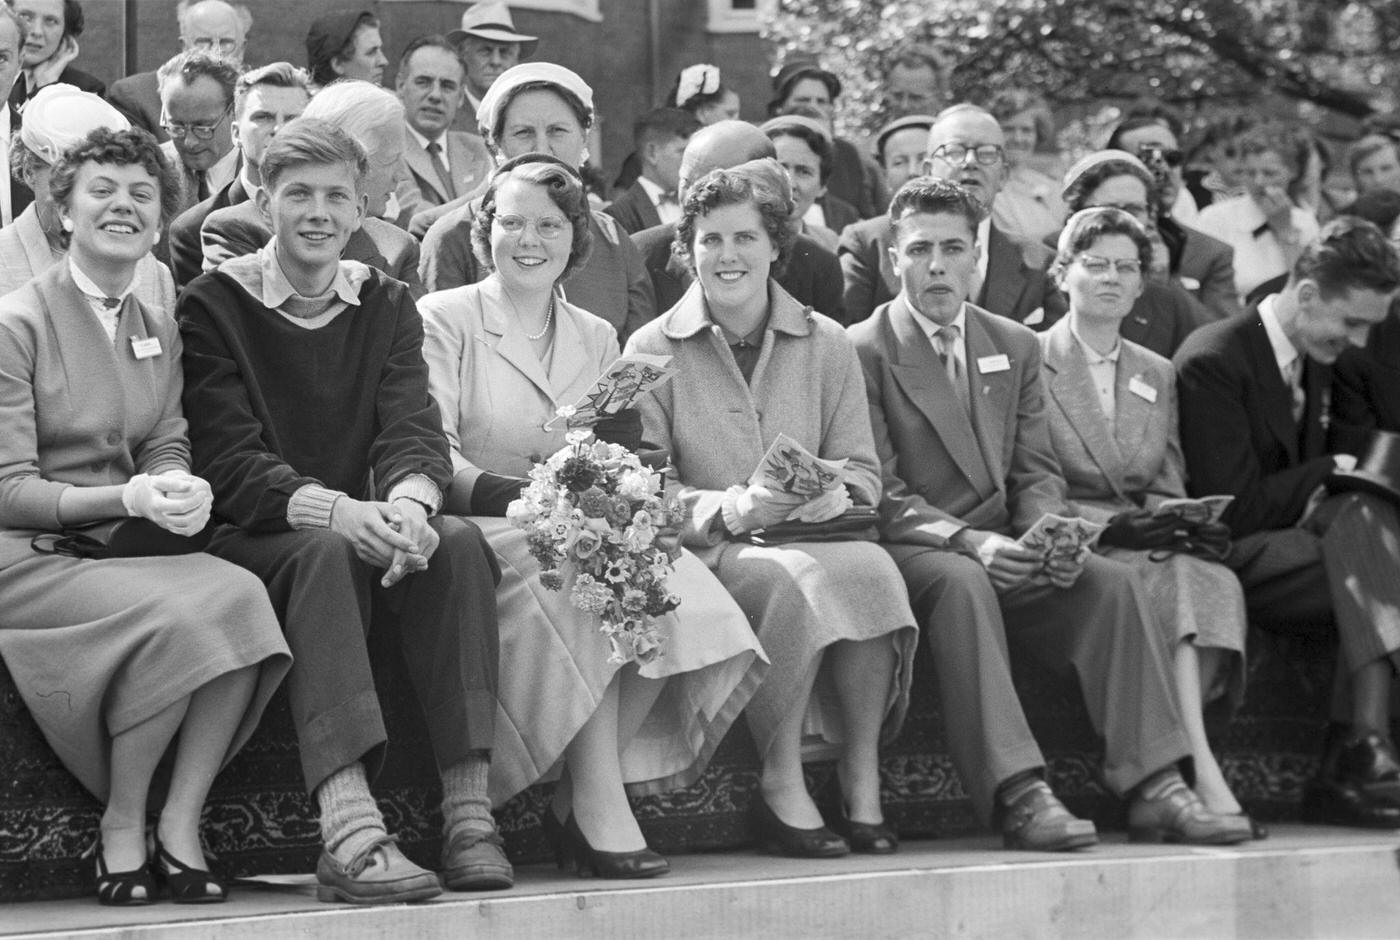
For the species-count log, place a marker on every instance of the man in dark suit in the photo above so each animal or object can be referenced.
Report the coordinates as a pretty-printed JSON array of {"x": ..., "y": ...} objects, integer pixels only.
[
  {"x": 444, "y": 163},
  {"x": 1366, "y": 387},
  {"x": 18, "y": 196},
  {"x": 660, "y": 137},
  {"x": 264, "y": 100},
  {"x": 965, "y": 145},
  {"x": 812, "y": 276},
  {"x": 957, "y": 409},
  {"x": 1253, "y": 395}
]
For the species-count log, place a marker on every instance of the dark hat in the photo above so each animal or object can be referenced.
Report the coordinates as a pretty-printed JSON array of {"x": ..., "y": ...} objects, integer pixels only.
[
  {"x": 1378, "y": 470},
  {"x": 794, "y": 72},
  {"x": 329, "y": 34}
]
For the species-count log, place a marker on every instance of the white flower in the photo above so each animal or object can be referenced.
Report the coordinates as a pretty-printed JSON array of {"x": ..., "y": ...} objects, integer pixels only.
[{"x": 635, "y": 484}]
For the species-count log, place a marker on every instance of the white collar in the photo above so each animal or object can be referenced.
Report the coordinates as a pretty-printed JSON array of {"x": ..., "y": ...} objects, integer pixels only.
[
  {"x": 423, "y": 142},
  {"x": 1092, "y": 354},
  {"x": 1285, "y": 353},
  {"x": 88, "y": 287},
  {"x": 654, "y": 190},
  {"x": 931, "y": 328}
]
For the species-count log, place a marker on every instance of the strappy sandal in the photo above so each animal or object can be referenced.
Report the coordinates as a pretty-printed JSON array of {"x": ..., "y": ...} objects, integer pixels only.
[
  {"x": 189, "y": 885},
  {"x": 118, "y": 888}
]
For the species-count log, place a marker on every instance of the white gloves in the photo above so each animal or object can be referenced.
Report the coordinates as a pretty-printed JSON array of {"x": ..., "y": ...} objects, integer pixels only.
[
  {"x": 823, "y": 508},
  {"x": 173, "y": 500}
]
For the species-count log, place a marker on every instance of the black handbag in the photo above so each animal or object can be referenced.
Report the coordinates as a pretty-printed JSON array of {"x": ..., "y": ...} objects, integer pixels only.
[
  {"x": 857, "y": 524},
  {"x": 124, "y": 538}
]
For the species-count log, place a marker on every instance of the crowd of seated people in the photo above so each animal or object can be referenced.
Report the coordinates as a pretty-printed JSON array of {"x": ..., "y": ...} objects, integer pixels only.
[{"x": 306, "y": 334}]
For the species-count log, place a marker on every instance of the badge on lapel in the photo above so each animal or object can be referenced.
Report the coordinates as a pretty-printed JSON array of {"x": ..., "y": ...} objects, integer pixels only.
[
  {"x": 147, "y": 348},
  {"x": 1142, "y": 390}
]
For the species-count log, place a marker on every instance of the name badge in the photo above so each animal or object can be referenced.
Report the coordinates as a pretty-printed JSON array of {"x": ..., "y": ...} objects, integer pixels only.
[
  {"x": 989, "y": 364},
  {"x": 1142, "y": 390},
  {"x": 147, "y": 348}
]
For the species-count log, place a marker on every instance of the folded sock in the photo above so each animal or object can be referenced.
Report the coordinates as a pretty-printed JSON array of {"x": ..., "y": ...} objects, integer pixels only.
[
  {"x": 350, "y": 819},
  {"x": 1013, "y": 789},
  {"x": 465, "y": 803},
  {"x": 1157, "y": 785}
]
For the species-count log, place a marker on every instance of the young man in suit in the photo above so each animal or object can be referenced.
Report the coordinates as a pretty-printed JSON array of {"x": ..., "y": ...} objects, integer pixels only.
[
  {"x": 445, "y": 163},
  {"x": 1254, "y": 408},
  {"x": 966, "y": 145},
  {"x": 957, "y": 408},
  {"x": 660, "y": 136}
]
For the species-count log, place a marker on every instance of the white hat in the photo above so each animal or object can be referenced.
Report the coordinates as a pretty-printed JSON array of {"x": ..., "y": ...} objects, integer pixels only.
[
  {"x": 60, "y": 116},
  {"x": 489, "y": 111},
  {"x": 492, "y": 21}
]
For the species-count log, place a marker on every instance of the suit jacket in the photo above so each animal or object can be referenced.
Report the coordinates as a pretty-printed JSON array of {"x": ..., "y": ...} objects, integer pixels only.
[
  {"x": 1366, "y": 387},
  {"x": 138, "y": 97},
  {"x": 76, "y": 408},
  {"x": 838, "y": 213},
  {"x": 1016, "y": 285},
  {"x": 186, "y": 250},
  {"x": 1161, "y": 318},
  {"x": 223, "y": 172},
  {"x": 79, "y": 79},
  {"x": 1207, "y": 269},
  {"x": 812, "y": 275},
  {"x": 1133, "y": 462},
  {"x": 239, "y": 230},
  {"x": 943, "y": 468},
  {"x": 1237, "y": 427},
  {"x": 21, "y": 196},
  {"x": 469, "y": 165},
  {"x": 634, "y": 210}
]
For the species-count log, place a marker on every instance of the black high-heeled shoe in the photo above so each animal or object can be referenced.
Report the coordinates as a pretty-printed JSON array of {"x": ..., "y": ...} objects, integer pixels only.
[
  {"x": 118, "y": 888},
  {"x": 778, "y": 838},
  {"x": 553, "y": 831},
  {"x": 640, "y": 864},
  {"x": 866, "y": 838},
  {"x": 188, "y": 885}
]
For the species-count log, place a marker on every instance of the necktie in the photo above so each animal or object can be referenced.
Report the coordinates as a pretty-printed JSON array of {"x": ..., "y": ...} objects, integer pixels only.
[
  {"x": 946, "y": 339},
  {"x": 1295, "y": 388},
  {"x": 201, "y": 186},
  {"x": 434, "y": 150}
]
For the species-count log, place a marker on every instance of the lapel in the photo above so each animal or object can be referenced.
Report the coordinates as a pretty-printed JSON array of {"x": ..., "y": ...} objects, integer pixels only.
[
  {"x": 1073, "y": 390},
  {"x": 1277, "y": 399},
  {"x": 646, "y": 209},
  {"x": 422, "y": 166},
  {"x": 361, "y": 247},
  {"x": 34, "y": 243},
  {"x": 93, "y": 365},
  {"x": 916, "y": 368},
  {"x": 509, "y": 342},
  {"x": 993, "y": 395},
  {"x": 1135, "y": 413},
  {"x": 470, "y": 164},
  {"x": 223, "y": 172},
  {"x": 1001, "y": 289}
]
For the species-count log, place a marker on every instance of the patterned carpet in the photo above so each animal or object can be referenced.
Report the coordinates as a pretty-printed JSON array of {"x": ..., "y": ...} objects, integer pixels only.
[{"x": 260, "y": 820}]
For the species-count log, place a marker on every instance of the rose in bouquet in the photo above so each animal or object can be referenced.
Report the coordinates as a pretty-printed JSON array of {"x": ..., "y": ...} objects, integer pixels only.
[{"x": 594, "y": 512}]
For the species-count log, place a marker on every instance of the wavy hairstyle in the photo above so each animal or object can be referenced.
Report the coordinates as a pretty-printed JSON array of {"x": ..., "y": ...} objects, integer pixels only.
[
  {"x": 1087, "y": 226},
  {"x": 758, "y": 183},
  {"x": 565, "y": 189},
  {"x": 132, "y": 147}
]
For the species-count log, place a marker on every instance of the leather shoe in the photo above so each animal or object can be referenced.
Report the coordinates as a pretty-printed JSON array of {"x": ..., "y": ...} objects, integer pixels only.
[
  {"x": 378, "y": 874},
  {"x": 778, "y": 838},
  {"x": 1178, "y": 815},
  {"x": 1369, "y": 762},
  {"x": 1039, "y": 822},
  {"x": 1334, "y": 803},
  {"x": 476, "y": 861}
]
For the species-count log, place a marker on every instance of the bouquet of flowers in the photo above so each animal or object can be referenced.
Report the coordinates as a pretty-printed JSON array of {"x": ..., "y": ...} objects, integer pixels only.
[{"x": 594, "y": 508}]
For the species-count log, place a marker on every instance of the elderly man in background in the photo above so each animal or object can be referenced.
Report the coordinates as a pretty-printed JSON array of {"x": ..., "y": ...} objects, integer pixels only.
[
  {"x": 488, "y": 45},
  {"x": 210, "y": 26},
  {"x": 916, "y": 83},
  {"x": 445, "y": 163},
  {"x": 196, "y": 97},
  {"x": 965, "y": 145},
  {"x": 264, "y": 100}
]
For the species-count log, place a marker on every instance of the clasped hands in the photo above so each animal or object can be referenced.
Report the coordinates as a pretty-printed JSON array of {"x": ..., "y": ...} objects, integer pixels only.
[
  {"x": 393, "y": 536},
  {"x": 1010, "y": 564},
  {"x": 759, "y": 507},
  {"x": 175, "y": 500}
]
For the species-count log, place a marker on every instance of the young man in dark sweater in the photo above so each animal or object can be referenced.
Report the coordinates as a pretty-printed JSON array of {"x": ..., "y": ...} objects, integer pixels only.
[{"x": 313, "y": 422}]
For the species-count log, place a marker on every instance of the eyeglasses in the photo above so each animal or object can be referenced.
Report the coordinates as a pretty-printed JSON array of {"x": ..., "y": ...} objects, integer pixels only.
[
  {"x": 1098, "y": 266},
  {"x": 1168, "y": 155},
  {"x": 198, "y": 131},
  {"x": 224, "y": 46},
  {"x": 956, "y": 154},
  {"x": 550, "y": 226}
]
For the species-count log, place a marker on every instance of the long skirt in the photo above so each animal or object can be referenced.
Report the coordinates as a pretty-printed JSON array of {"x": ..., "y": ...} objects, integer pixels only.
[
  {"x": 803, "y": 597},
  {"x": 555, "y": 671},
  {"x": 96, "y": 647}
]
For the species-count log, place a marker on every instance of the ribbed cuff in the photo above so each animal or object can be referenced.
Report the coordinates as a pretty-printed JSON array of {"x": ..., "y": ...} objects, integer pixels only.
[
  {"x": 420, "y": 489},
  {"x": 310, "y": 507},
  {"x": 729, "y": 511}
]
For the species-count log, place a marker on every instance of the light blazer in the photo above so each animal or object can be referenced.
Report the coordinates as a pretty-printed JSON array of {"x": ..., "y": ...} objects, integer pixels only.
[
  {"x": 494, "y": 393},
  {"x": 77, "y": 409},
  {"x": 240, "y": 230},
  {"x": 1135, "y": 462},
  {"x": 806, "y": 384},
  {"x": 467, "y": 160},
  {"x": 942, "y": 468}
]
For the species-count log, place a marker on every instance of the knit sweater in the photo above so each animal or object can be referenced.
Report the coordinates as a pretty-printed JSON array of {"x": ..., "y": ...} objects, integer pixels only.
[{"x": 278, "y": 407}]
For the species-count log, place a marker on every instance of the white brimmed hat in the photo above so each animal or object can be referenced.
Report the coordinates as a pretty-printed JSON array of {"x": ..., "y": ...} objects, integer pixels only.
[
  {"x": 59, "y": 116},
  {"x": 492, "y": 21}
]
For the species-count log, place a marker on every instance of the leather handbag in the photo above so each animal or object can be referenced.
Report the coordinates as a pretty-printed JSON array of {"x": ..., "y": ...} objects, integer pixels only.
[
  {"x": 124, "y": 538},
  {"x": 857, "y": 524}
]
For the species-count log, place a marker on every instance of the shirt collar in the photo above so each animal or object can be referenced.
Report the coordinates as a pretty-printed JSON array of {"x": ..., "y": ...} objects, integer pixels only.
[
  {"x": 1092, "y": 354},
  {"x": 1285, "y": 353},
  {"x": 654, "y": 191},
  {"x": 690, "y": 314},
  {"x": 930, "y": 328},
  {"x": 86, "y": 285},
  {"x": 423, "y": 142},
  {"x": 276, "y": 289}
]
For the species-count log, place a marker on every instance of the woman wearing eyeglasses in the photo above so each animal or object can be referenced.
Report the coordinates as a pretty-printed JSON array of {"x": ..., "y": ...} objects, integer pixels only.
[
  {"x": 1111, "y": 406},
  {"x": 503, "y": 354}
]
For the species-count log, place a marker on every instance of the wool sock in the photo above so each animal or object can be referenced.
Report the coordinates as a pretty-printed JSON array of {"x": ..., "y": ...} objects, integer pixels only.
[
  {"x": 1014, "y": 788},
  {"x": 465, "y": 803},
  {"x": 1155, "y": 786},
  {"x": 350, "y": 819}
]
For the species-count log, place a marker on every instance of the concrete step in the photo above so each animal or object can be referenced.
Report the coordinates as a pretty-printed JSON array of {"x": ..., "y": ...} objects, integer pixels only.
[{"x": 1303, "y": 881}]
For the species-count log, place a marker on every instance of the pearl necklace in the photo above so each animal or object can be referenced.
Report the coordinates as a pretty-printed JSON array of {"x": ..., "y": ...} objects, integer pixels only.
[{"x": 548, "y": 318}]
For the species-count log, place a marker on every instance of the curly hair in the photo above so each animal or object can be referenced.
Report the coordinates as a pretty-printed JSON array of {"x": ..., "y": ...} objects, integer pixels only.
[
  {"x": 1349, "y": 253},
  {"x": 133, "y": 147},
  {"x": 565, "y": 189},
  {"x": 1077, "y": 194},
  {"x": 1087, "y": 226},
  {"x": 758, "y": 183}
]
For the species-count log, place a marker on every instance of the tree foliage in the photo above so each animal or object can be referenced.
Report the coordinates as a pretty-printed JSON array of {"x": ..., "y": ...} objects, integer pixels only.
[{"x": 1335, "y": 54}]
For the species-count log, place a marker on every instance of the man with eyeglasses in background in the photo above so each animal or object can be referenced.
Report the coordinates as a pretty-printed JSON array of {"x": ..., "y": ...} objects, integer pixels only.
[
  {"x": 196, "y": 97},
  {"x": 209, "y": 26},
  {"x": 966, "y": 146}
]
